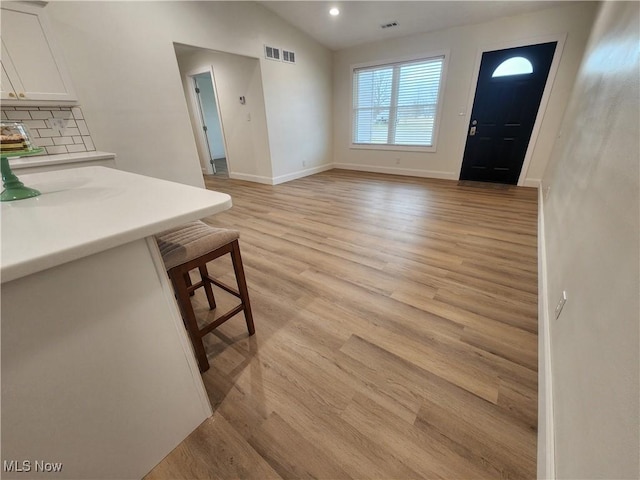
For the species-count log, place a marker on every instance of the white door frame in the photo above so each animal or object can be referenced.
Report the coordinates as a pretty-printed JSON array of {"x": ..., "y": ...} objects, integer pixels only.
[
  {"x": 561, "y": 39},
  {"x": 195, "y": 106}
]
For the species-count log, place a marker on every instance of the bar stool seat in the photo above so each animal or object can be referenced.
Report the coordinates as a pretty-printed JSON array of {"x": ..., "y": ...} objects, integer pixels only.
[{"x": 190, "y": 247}]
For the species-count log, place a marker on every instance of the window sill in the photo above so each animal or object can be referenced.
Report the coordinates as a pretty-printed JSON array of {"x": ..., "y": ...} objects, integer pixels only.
[{"x": 392, "y": 148}]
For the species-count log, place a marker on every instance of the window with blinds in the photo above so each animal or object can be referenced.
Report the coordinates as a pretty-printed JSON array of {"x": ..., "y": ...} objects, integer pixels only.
[{"x": 397, "y": 104}]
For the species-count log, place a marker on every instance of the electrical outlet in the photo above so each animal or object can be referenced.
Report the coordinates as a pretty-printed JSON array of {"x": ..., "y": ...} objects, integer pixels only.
[
  {"x": 561, "y": 303},
  {"x": 58, "y": 124}
]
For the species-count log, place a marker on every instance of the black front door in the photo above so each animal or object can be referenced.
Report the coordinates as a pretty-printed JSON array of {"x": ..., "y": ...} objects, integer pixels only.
[{"x": 508, "y": 94}]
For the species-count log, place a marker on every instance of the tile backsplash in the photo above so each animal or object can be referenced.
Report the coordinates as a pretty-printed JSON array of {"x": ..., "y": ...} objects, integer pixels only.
[{"x": 57, "y": 129}]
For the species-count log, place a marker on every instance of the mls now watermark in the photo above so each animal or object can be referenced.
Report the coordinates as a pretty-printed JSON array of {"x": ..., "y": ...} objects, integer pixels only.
[{"x": 31, "y": 466}]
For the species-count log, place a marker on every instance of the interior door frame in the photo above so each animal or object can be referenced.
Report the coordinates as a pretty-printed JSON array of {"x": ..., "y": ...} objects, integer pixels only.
[
  {"x": 560, "y": 38},
  {"x": 195, "y": 108}
]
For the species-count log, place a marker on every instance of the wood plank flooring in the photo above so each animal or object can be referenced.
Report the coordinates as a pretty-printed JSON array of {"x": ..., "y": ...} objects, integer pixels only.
[{"x": 396, "y": 334}]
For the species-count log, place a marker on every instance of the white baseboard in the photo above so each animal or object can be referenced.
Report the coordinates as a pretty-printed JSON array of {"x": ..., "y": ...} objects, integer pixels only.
[
  {"x": 302, "y": 173},
  {"x": 251, "y": 178},
  {"x": 282, "y": 178},
  {"x": 410, "y": 172},
  {"x": 546, "y": 428},
  {"x": 532, "y": 182}
]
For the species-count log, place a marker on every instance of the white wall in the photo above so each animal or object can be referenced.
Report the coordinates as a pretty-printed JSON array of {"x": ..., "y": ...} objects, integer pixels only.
[
  {"x": 299, "y": 141},
  {"x": 124, "y": 68},
  {"x": 463, "y": 43},
  {"x": 247, "y": 141},
  {"x": 592, "y": 243}
]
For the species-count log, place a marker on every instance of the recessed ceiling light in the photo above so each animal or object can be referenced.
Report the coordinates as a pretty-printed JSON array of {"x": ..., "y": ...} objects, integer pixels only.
[{"x": 334, "y": 11}]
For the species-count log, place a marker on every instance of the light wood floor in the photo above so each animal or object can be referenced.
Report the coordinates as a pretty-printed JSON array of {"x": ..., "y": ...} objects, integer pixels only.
[{"x": 396, "y": 334}]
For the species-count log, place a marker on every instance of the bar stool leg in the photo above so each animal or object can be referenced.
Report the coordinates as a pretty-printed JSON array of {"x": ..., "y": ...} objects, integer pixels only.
[
  {"x": 206, "y": 283},
  {"x": 180, "y": 287},
  {"x": 242, "y": 285},
  {"x": 187, "y": 281}
]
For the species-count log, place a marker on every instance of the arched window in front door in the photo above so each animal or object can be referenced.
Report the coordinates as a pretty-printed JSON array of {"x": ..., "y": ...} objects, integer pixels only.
[{"x": 513, "y": 66}]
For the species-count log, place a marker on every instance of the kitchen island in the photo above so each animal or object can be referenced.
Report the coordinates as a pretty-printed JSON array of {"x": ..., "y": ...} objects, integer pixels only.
[
  {"x": 62, "y": 161},
  {"x": 98, "y": 373}
]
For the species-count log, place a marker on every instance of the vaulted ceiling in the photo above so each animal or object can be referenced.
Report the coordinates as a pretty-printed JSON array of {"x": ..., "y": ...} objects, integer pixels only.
[{"x": 360, "y": 21}]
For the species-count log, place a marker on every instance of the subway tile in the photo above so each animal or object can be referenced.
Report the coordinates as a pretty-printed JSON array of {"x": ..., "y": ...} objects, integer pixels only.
[
  {"x": 48, "y": 132},
  {"x": 62, "y": 114},
  {"x": 88, "y": 143},
  {"x": 19, "y": 115},
  {"x": 69, "y": 132},
  {"x": 44, "y": 142},
  {"x": 82, "y": 126},
  {"x": 35, "y": 124},
  {"x": 76, "y": 148},
  {"x": 56, "y": 149},
  {"x": 41, "y": 114},
  {"x": 63, "y": 140},
  {"x": 74, "y": 137}
]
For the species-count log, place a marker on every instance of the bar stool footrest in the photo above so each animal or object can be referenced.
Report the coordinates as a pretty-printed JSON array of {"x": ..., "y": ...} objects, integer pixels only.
[
  {"x": 224, "y": 286},
  {"x": 220, "y": 320}
]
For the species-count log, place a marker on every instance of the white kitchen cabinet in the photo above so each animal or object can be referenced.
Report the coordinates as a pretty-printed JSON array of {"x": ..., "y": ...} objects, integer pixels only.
[
  {"x": 6, "y": 88},
  {"x": 33, "y": 71}
]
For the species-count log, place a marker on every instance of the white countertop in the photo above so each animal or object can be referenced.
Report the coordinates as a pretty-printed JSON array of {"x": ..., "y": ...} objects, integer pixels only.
[
  {"x": 62, "y": 158},
  {"x": 84, "y": 211}
]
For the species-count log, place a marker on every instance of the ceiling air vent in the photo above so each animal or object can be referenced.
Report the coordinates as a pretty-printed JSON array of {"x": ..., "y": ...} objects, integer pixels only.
[
  {"x": 288, "y": 56},
  {"x": 272, "y": 53},
  {"x": 389, "y": 25}
]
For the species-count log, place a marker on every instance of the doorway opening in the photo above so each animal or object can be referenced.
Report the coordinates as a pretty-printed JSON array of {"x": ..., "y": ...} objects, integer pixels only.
[
  {"x": 233, "y": 85},
  {"x": 511, "y": 83},
  {"x": 210, "y": 122}
]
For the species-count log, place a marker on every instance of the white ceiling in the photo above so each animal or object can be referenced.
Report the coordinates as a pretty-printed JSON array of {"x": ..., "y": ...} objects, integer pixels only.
[{"x": 359, "y": 21}]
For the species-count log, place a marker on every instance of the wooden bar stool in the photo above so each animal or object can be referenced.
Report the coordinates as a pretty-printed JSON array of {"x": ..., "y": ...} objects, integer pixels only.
[{"x": 192, "y": 246}]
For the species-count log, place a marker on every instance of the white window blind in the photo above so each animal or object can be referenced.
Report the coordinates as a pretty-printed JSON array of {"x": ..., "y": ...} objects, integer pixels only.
[{"x": 396, "y": 104}]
